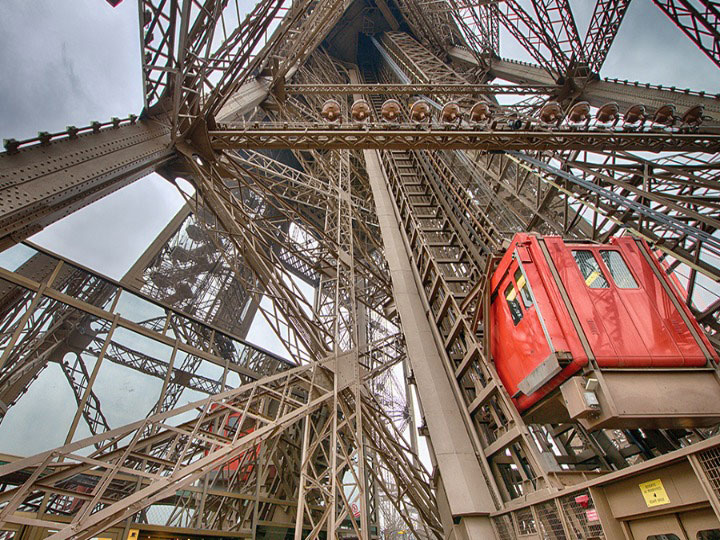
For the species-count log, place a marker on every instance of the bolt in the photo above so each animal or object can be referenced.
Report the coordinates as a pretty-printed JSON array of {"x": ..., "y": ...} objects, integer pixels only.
[{"x": 11, "y": 145}]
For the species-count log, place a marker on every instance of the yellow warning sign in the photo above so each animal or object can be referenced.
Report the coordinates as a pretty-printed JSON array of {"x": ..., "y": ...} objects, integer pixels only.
[
  {"x": 654, "y": 493},
  {"x": 133, "y": 534}
]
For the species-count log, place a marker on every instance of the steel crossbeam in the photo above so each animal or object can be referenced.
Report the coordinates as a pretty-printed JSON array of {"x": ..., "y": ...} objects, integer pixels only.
[
  {"x": 419, "y": 89},
  {"x": 56, "y": 176},
  {"x": 624, "y": 93},
  {"x": 417, "y": 138}
]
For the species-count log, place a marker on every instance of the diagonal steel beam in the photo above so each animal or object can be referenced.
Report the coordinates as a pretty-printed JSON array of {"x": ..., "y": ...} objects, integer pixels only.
[
  {"x": 699, "y": 20},
  {"x": 556, "y": 18},
  {"x": 604, "y": 26}
]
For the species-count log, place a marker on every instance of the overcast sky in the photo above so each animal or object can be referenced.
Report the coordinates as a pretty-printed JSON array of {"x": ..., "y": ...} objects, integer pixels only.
[
  {"x": 69, "y": 62},
  {"x": 74, "y": 61}
]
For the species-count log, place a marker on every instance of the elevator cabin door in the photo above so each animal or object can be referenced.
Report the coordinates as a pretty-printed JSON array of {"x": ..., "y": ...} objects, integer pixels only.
[
  {"x": 517, "y": 333},
  {"x": 701, "y": 524}
]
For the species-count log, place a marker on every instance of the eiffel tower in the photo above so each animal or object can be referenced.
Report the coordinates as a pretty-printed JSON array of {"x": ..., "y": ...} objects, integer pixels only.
[{"x": 383, "y": 154}]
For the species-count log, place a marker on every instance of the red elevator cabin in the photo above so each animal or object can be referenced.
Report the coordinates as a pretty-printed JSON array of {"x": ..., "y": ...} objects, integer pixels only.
[
  {"x": 599, "y": 333},
  {"x": 246, "y": 460}
]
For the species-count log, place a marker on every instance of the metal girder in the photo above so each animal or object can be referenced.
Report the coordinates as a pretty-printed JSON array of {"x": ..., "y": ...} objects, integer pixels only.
[
  {"x": 434, "y": 28},
  {"x": 197, "y": 63},
  {"x": 235, "y": 60},
  {"x": 699, "y": 20},
  {"x": 335, "y": 443},
  {"x": 242, "y": 232},
  {"x": 395, "y": 460},
  {"x": 419, "y": 89},
  {"x": 598, "y": 93},
  {"x": 125, "y": 356},
  {"x": 416, "y": 138},
  {"x": 315, "y": 21},
  {"x": 291, "y": 196},
  {"x": 244, "y": 100},
  {"x": 604, "y": 26},
  {"x": 339, "y": 223},
  {"x": 556, "y": 18},
  {"x": 420, "y": 64},
  {"x": 460, "y": 472},
  {"x": 158, "y": 57},
  {"x": 78, "y": 377},
  {"x": 264, "y": 235},
  {"x": 43, "y": 181},
  {"x": 524, "y": 28},
  {"x": 479, "y": 23},
  {"x": 297, "y": 187}
]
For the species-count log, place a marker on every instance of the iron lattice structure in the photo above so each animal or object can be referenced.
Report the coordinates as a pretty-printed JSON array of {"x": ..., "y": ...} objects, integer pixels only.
[{"x": 392, "y": 223}]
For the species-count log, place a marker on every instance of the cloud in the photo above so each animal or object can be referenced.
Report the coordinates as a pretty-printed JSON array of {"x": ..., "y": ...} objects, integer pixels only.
[
  {"x": 74, "y": 82},
  {"x": 66, "y": 63},
  {"x": 650, "y": 48}
]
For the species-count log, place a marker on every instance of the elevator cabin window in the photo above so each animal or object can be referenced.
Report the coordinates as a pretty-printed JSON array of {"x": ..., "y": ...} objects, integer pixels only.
[
  {"x": 618, "y": 269},
  {"x": 524, "y": 289},
  {"x": 710, "y": 534},
  {"x": 231, "y": 425},
  {"x": 670, "y": 536},
  {"x": 590, "y": 269},
  {"x": 513, "y": 304}
]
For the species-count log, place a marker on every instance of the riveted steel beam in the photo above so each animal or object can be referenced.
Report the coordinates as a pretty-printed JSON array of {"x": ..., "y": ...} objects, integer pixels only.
[
  {"x": 600, "y": 92},
  {"x": 310, "y": 137},
  {"x": 46, "y": 181},
  {"x": 412, "y": 89}
]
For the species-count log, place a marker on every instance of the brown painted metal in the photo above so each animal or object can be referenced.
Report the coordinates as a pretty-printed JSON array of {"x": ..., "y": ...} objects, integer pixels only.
[
  {"x": 416, "y": 138},
  {"x": 410, "y": 226}
]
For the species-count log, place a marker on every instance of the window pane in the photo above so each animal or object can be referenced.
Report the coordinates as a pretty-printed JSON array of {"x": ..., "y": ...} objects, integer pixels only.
[
  {"x": 590, "y": 269},
  {"x": 618, "y": 269},
  {"x": 231, "y": 424},
  {"x": 670, "y": 536},
  {"x": 524, "y": 289},
  {"x": 710, "y": 534},
  {"x": 513, "y": 304}
]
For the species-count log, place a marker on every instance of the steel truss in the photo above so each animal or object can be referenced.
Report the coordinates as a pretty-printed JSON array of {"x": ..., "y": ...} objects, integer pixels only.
[
  {"x": 699, "y": 21},
  {"x": 393, "y": 225},
  {"x": 352, "y": 137}
]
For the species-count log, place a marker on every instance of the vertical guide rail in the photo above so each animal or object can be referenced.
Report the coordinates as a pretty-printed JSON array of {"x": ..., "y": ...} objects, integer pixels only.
[
  {"x": 444, "y": 284},
  {"x": 445, "y": 270},
  {"x": 468, "y": 493}
]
